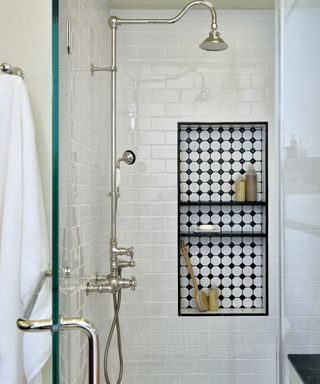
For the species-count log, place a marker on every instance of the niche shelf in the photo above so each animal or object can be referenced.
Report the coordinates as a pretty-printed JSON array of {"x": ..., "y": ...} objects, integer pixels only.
[
  {"x": 223, "y": 234},
  {"x": 221, "y": 203},
  {"x": 211, "y": 156}
]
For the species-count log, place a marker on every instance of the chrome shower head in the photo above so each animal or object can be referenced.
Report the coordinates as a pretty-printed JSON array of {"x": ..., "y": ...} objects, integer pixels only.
[
  {"x": 128, "y": 157},
  {"x": 213, "y": 42}
]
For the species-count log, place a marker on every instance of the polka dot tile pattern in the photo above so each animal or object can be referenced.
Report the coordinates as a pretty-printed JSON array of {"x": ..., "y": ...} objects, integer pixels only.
[
  {"x": 233, "y": 264},
  {"x": 211, "y": 158}
]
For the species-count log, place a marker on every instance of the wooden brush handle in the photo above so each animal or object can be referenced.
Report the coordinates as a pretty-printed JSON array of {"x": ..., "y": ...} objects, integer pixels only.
[{"x": 185, "y": 253}]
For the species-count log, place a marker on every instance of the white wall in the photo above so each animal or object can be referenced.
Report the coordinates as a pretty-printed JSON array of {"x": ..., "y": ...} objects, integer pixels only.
[
  {"x": 160, "y": 74},
  {"x": 25, "y": 30}
]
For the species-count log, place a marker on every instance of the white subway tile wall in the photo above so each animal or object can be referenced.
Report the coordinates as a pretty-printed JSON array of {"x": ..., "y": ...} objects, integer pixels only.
[
  {"x": 165, "y": 78},
  {"x": 301, "y": 192},
  {"x": 84, "y": 176}
]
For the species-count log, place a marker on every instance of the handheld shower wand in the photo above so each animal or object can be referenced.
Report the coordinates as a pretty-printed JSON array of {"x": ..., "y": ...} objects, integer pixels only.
[{"x": 129, "y": 158}]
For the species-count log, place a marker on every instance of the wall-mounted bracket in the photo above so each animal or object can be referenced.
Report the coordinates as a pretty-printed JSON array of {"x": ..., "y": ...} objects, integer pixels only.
[{"x": 94, "y": 69}]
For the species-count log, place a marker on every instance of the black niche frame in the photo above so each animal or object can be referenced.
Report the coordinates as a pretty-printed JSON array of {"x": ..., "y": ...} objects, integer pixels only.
[{"x": 219, "y": 203}]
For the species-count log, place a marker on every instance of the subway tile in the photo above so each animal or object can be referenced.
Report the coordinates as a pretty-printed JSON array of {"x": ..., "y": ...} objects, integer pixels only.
[
  {"x": 164, "y": 378},
  {"x": 182, "y": 81},
  {"x": 257, "y": 39},
  {"x": 135, "y": 68},
  {"x": 179, "y": 109},
  {"x": 240, "y": 109},
  {"x": 165, "y": 95},
  {"x": 164, "y": 152},
  {"x": 162, "y": 68},
  {"x": 164, "y": 39},
  {"x": 134, "y": 39},
  {"x": 152, "y": 82},
  {"x": 210, "y": 80},
  {"x": 151, "y": 138},
  {"x": 152, "y": 109},
  {"x": 237, "y": 81},
  {"x": 164, "y": 124},
  {"x": 208, "y": 109},
  {"x": 252, "y": 95},
  {"x": 159, "y": 346}
]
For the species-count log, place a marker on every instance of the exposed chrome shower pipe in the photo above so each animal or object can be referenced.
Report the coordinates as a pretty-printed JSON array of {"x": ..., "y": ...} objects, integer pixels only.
[
  {"x": 114, "y": 283},
  {"x": 113, "y": 69},
  {"x": 114, "y": 22}
]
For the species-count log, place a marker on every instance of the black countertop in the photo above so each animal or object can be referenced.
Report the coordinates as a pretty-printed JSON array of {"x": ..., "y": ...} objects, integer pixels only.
[{"x": 307, "y": 367}]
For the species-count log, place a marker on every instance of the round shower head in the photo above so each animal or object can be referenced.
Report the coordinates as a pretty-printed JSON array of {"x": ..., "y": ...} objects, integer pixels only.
[{"x": 213, "y": 42}]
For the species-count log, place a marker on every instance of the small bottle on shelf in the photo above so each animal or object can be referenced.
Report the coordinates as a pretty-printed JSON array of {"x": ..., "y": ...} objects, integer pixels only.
[
  {"x": 251, "y": 184},
  {"x": 240, "y": 190},
  {"x": 214, "y": 294}
]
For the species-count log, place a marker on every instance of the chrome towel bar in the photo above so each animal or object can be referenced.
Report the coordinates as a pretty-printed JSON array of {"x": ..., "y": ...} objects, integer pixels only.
[
  {"x": 34, "y": 298},
  {"x": 10, "y": 70}
]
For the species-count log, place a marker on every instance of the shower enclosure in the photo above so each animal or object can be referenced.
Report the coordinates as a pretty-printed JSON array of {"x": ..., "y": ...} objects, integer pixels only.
[{"x": 269, "y": 74}]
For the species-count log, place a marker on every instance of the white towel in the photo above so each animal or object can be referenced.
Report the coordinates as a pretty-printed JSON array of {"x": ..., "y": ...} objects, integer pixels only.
[{"x": 24, "y": 250}]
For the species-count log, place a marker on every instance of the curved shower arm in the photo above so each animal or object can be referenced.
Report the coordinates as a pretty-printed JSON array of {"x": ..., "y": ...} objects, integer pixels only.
[{"x": 114, "y": 21}]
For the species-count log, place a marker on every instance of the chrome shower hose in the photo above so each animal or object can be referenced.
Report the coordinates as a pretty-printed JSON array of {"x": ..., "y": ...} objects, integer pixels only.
[{"x": 115, "y": 323}]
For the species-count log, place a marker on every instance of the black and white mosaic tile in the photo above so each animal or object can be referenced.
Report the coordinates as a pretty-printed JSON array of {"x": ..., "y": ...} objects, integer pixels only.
[
  {"x": 211, "y": 158},
  {"x": 234, "y": 265}
]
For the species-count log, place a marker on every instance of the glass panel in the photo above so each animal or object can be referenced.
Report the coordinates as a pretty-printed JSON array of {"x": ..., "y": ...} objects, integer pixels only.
[
  {"x": 83, "y": 175},
  {"x": 163, "y": 79},
  {"x": 301, "y": 178},
  {"x": 55, "y": 192}
]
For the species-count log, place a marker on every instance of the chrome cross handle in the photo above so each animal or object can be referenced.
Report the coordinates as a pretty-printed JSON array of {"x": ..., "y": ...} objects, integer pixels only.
[
  {"x": 111, "y": 284},
  {"x": 128, "y": 283}
]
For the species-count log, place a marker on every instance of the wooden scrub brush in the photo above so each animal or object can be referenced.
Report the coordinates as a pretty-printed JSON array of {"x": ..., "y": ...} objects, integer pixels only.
[{"x": 201, "y": 296}]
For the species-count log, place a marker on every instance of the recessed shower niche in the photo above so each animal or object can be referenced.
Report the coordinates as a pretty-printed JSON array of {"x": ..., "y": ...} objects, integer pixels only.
[{"x": 233, "y": 254}]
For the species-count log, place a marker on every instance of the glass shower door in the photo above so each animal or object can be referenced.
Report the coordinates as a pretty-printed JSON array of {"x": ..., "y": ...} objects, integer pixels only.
[
  {"x": 301, "y": 194},
  {"x": 155, "y": 93},
  {"x": 80, "y": 183},
  {"x": 55, "y": 192}
]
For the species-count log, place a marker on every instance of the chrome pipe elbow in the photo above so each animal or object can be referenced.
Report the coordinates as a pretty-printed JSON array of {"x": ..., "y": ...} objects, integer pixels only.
[
  {"x": 122, "y": 251},
  {"x": 125, "y": 264}
]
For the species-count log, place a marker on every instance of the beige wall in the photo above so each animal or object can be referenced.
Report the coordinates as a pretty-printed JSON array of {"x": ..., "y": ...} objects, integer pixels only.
[{"x": 25, "y": 30}]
